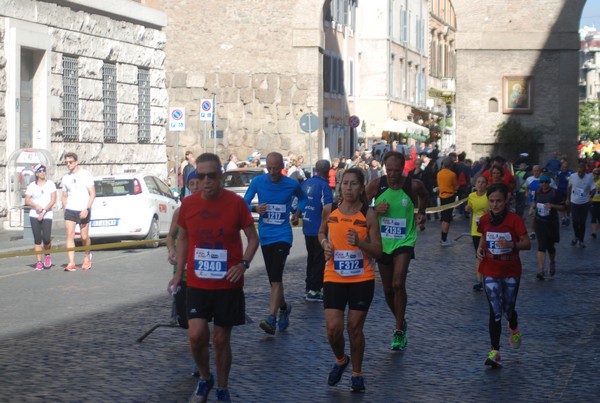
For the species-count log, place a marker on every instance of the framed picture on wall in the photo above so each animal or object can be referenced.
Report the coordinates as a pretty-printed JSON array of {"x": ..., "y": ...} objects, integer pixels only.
[{"x": 517, "y": 94}]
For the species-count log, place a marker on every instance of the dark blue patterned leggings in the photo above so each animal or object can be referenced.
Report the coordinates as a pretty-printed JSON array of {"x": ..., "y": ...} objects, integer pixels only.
[{"x": 502, "y": 298}]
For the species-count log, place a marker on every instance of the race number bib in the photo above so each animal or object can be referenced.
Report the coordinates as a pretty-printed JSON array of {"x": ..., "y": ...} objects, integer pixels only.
[
  {"x": 275, "y": 214},
  {"x": 491, "y": 239},
  {"x": 348, "y": 262},
  {"x": 210, "y": 263},
  {"x": 393, "y": 228},
  {"x": 542, "y": 210},
  {"x": 579, "y": 192}
]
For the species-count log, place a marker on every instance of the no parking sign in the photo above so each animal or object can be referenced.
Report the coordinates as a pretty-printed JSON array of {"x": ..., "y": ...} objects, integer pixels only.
[
  {"x": 206, "y": 109},
  {"x": 177, "y": 119}
]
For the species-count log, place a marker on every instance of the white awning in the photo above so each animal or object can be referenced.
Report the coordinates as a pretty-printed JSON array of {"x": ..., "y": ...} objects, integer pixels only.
[{"x": 404, "y": 126}]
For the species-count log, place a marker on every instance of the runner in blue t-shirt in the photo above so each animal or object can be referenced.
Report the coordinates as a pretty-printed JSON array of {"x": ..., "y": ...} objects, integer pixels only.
[
  {"x": 275, "y": 194},
  {"x": 318, "y": 198}
]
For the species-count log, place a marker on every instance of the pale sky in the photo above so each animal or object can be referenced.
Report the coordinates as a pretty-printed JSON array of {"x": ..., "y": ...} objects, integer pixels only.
[{"x": 591, "y": 14}]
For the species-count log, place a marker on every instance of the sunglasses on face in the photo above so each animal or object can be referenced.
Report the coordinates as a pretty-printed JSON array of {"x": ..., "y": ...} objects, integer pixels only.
[
  {"x": 69, "y": 162},
  {"x": 544, "y": 181},
  {"x": 210, "y": 175},
  {"x": 41, "y": 170}
]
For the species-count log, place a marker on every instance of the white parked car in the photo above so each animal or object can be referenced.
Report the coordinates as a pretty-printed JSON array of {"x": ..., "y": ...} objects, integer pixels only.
[{"x": 131, "y": 206}]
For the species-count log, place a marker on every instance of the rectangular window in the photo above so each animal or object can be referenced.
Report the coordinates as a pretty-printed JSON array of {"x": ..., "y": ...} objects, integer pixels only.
[
  {"x": 144, "y": 106},
  {"x": 326, "y": 73},
  {"x": 403, "y": 26},
  {"x": 351, "y": 78},
  {"x": 408, "y": 26},
  {"x": 391, "y": 76},
  {"x": 109, "y": 96},
  {"x": 402, "y": 81},
  {"x": 341, "y": 77},
  {"x": 70, "y": 99},
  {"x": 334, "y": 75}
]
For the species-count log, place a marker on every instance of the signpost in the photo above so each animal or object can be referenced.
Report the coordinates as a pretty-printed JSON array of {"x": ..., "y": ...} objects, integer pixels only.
[
  {"x": 206, "y": 115},
  {"x": 309, "y": 123},
  {"x": 177, "y": 119},
  {"x": 177, "y": 124}
]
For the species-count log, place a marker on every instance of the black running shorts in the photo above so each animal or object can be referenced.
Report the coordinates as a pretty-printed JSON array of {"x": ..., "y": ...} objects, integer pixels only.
[{"x": 227, "y": 307}]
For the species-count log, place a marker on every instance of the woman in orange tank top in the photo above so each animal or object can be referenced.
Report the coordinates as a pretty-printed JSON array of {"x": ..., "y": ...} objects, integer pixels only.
[{"x": 350, "y": 237}]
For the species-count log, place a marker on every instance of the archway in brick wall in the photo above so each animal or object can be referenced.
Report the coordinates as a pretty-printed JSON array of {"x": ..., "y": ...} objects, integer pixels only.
[{"x": 500, "y": 40}]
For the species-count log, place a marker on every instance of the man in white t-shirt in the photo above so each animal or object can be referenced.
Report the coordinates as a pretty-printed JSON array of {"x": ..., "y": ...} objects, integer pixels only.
[
  {"x": 77, "y": 197},
  {"x": 578, "y": 197}
]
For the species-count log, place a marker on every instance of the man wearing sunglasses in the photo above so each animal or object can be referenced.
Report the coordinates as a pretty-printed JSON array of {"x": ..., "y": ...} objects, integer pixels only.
[
  {"x": 78, "y": 194},
  {"x": 210, "y": 243},
  {"x": 275, "y": 195}
]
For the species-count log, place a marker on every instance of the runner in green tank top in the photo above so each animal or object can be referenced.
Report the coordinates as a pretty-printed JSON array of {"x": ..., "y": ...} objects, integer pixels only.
[
  {"x": 398, "y": 222},
  {"x": 396, "y": 197}
]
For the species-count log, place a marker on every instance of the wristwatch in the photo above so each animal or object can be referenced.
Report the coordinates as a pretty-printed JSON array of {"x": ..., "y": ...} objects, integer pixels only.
[{"x": 245, "y": 263}]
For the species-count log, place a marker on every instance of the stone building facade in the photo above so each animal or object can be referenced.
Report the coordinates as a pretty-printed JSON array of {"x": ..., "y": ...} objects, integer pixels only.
[
  {"x": 262, "y": 62},
  {"x": 502, "y": 39},
  {"x": 394, "y": 60},
  {"x": 96, "y": 53}
]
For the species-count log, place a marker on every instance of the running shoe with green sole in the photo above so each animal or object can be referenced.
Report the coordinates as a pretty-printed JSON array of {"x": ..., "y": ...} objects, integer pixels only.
[
  {"x": 514, "y": 338},
  {"x": 493, "y": 359},
  {"x": 400, "y": 338}
]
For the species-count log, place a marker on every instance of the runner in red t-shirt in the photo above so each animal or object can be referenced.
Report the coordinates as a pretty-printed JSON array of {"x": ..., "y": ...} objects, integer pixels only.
[
  {"x": 209, "y": 241},
  {"x": 503, "y": 235}
]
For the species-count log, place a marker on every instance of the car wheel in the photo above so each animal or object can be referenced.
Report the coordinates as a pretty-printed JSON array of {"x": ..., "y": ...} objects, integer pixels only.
[{"x": 153, "y": 234}]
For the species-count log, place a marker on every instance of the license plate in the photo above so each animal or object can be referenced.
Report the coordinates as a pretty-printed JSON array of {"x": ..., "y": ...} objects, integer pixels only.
[{"x": 105, "y": 223}]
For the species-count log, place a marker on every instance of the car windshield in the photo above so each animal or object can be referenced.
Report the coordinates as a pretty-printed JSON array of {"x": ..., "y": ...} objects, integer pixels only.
[
  {"x": 113, "y": 187},
  {"x": 239, "y": 178}
]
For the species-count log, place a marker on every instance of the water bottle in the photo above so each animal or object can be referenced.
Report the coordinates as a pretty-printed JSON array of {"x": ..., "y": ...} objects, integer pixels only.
[{"x": 174, "y": 289}]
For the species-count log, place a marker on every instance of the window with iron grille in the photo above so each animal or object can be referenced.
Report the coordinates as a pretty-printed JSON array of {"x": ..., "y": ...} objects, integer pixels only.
[
  {"x": 70, "y": 99},
  {"x": 109, "y": 96},
  {"x": 143, "y": 106}
]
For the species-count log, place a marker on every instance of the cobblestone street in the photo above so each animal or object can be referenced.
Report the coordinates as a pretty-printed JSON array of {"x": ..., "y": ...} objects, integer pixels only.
[{"x": 97, "y": 358}]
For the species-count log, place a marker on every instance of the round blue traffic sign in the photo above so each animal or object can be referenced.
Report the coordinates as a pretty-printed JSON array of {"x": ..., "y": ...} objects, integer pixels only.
[
  {"x": 177, "y": 114},
  {"x": 206, "y": 106},
  {"x": 353, "y": 121}
]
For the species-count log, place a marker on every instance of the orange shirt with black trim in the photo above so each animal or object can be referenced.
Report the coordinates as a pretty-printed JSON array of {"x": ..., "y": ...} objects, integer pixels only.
[
  {"x": 338, "y": 225},
  {"x": 447, "y": 183}
]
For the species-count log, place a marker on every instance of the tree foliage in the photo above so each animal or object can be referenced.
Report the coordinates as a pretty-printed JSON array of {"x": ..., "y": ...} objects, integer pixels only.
[
  {"x": 589, "y": 119},
  {"x": 513, "y": 139}
]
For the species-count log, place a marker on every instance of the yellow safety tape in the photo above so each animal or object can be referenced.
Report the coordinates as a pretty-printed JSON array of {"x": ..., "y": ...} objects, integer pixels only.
[
  {"x": 437, "y": 209},
  {"x": 82, "y": 248},
  {"x": 125, "y": 244}
]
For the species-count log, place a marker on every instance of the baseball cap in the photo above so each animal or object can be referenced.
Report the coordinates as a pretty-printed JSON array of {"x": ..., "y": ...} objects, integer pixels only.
[
  {"x": 39, "y": 167},
  {"x": 545, "y": 178},
  {"x": 191, "y": 175}
]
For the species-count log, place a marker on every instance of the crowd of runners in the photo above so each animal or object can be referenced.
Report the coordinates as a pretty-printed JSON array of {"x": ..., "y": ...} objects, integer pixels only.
[{"x": 357, "y": 221}]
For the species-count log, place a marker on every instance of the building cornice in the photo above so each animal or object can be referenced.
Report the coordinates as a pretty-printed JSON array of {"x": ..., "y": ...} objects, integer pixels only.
[{"x": 119, "y": 9}]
